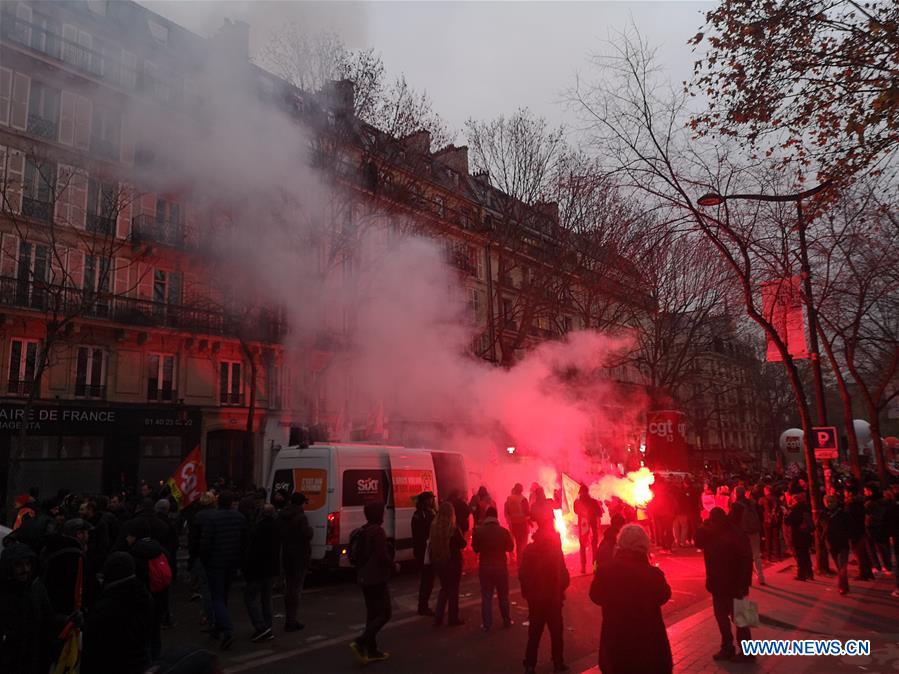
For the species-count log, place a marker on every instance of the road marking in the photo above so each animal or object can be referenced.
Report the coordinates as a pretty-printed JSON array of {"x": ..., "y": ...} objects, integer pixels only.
[
  {"x": 314, "y": 638},
  {"x": 255, "y": 654}
]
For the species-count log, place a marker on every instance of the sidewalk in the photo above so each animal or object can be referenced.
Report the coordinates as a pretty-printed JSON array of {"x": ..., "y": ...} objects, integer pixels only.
[{"x": 790, "y": 609}]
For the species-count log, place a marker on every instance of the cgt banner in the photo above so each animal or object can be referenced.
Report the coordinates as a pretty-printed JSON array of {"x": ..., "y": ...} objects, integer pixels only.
[
  {"x": 782, "y": 306},
  {"x": 189, "y": 481},
  {"x": 666, "y": 440}
]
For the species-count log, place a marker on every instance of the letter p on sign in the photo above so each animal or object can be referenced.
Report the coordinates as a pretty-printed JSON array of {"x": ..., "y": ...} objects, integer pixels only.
[{"x": 825, "y": 443}]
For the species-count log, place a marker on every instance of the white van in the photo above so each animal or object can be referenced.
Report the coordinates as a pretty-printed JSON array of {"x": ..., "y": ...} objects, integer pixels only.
[{"x": 339, "y": 479}]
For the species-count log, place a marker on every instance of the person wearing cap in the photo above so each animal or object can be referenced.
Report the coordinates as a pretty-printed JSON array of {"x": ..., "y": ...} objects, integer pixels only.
[
  {"x": 631, "y": 592},
  {"x": 169, "y": 542},
  {"x": 296, "y": 550},
  {"x": 422, "y": 519},
  {"x": 116, "y": 631},
  {"x": 25, "y": 613}
]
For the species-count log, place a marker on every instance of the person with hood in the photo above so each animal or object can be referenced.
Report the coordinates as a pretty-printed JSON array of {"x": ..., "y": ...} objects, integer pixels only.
[
  {"x": 745, "y": 515},
  {"x": 222, "y": 549},
  {"x": 631, "y": 593},
  {"x": 117, "y": 629},
  {"x": 480, "y": 501},
  {"x": 728, "y": 575},
  {"x": 261, "y": 567},
  {"x": 373, "y": 576},
  {"x": 26, "y": 508},
  {"x": 855, "y": 507},
  {"x": 802, "y": 530},
  {"x": 445, "y": 546},
  {"x": 836, "y": 532},
  {"x": 146, "y": 552},
  {"x": 875, "y": 531},
  {"x": 544, "y": 578},
  {"x": 296, "y": 550},
  {"x": 26, "y": 617},
  {"x": 422, "y": 519},
  {"x": 772, "y": 520},
  {"x": 540, "y": 508},
  {"x": 463, "y": 512},
  {"x": 605, "y": 551},
  {"x": 204, "y": 509},
  {"x": 589, "y": 512},
  {"x": 517, "y": 511},
  {"x": 493, "y": 543}
]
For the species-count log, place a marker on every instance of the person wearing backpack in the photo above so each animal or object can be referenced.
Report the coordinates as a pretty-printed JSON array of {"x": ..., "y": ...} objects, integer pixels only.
[
  {"x": 296, "y": 549},
  {"x": 745, "y": 514},
  {"x": 421, "y": 530},
  {"x": 372, "y": 555},
  {"x": 802, "y": 529},
  {"x": 151, "y": 566}
]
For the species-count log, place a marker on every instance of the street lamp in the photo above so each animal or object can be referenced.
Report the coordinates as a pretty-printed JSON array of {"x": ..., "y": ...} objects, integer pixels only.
[{"x": 717, "y": 199}]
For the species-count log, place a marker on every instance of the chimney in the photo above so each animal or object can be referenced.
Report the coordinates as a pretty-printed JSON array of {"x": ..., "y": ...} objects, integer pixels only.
[
  {"x": 455, "y": 158},
  {"x": 550, "y": 208},
  {"x": 418, "y": 141},
  {"x": 340, "y": 96},
  {"x": 482, "y": 177},
  {"x": 233, "y": 38}
]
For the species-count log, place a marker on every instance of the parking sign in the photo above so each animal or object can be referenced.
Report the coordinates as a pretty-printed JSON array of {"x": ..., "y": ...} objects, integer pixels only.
[{"x": 825, "y": 442}]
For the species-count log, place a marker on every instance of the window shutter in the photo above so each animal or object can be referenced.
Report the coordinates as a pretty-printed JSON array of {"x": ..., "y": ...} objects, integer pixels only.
[
  {"x": 58, "y": 261},
  {"x": 123, "y": 218},
  {"x": 5, "y": 94},
  {"x": 174, "y": 288},
  {"x": 75, "y": 269},
  {"x": 67, "y": 118},
  {"x": 13, "y": 179},
  {"x": 78, "y": 198},
  {"x": 122, "y": 276},
  {"x": 82, "y": 122},
  {"x": 21, "y": 89},
  {"x": 9, "y": 262},
  {"x": 62, "y": 213},
  {"x": 148, "y": 204},
  {"x": 144, "y": 281}
]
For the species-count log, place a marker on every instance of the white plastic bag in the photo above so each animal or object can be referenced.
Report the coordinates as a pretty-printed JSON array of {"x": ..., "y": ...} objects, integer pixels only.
[{"x": 746, "y": 613}]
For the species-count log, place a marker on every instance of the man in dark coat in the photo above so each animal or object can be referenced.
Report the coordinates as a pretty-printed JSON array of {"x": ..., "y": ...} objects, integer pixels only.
[
  {"x": 855, "y": 507},
  {"x": 836, "y": 533},
  {"x": 544, "y": 578},
  {"x": 728, "y": 571},
  {"x": 260, "y": 569},
  {"x": 296, "y": 550},
  {"x": 802, "y": 531},
  {"x": 373, "y": 575},
  {"x": 493, "y": 543},
  {"x": 588, "y": 511},
  {"x": 631, "y": 592},
  {"x": 222, "y": 545},
  {"x": 144, "y": 549},
  {"x": 117, "y": 629},
  {"x": 421, "y": 529},
  {"x": 463, "y": 512},
  {"x": 26, "y": 617},
  {"x": 605, "y": 551}
]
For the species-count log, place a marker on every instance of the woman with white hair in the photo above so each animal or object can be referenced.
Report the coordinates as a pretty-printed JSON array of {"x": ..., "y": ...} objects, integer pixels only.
[{"x": 631, "y": 591}]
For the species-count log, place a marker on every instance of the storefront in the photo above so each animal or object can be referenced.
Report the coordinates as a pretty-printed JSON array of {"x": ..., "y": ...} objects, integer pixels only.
[{"x": 92, "y": 448}]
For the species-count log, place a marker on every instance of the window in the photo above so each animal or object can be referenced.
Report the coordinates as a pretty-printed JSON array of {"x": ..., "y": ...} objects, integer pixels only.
[
  {"x": 474, "y": 303},
  {"x": 169, "y": 225},
  {"x": 274, "y": 387},
  {"x": 106, "y": 132},
  {"x": 364, "y": 485},
  {"x": 102, "y": 207},
  {"x": 166, "y": 287},
  {"x": 43, "y": 111},
  {"x": 33, "y": 274},
  {"x": 161, "y": 377},
  {"x": 230, "y": 383},
  {"x": 23, "y": 354},
  {"x": 90, "y": 373},
  {"x": 159, "y": 32},
  {"x": 37, "y": 197},
  {"x": 97, "y": 283},
  {"x": 475, "y": 261}
]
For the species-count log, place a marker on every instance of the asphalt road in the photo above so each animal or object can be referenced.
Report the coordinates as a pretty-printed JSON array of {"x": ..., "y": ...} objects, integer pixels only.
[{"x": 333, "y": 613}]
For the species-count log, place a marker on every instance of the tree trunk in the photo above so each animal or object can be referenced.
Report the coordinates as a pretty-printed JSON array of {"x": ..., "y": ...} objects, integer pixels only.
[
  {"x": 851, "y": 438},
  {"x": 249, "y": 445}
]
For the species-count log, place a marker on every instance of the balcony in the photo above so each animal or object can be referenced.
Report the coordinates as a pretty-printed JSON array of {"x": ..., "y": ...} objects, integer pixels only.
[
  {"x": 43, "y": 128},
  {"x": 95, "y": 391},
  {"x": 166, "y": 394},
  {"x": 52, "y": 44},
  {"x": 105, "y": 149},
  {"x": 99, "y": 224},
  {"x": 231, "y": 399},
  {"x": 37, "y": 209},
  {"x": 146, "y": 228},
  {"x": 19, "y": 388},
  {"x": 136, "y": 312}
]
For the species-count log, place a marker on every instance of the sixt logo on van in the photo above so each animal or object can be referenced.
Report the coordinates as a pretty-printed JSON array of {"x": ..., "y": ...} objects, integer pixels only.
[{"x": 368, "y": 485}]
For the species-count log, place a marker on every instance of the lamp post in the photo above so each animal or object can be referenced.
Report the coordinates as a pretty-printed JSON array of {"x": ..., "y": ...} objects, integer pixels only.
[{"x": 716, "y": 199}]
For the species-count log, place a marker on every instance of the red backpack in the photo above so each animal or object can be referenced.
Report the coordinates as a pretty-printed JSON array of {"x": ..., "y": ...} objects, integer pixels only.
[{"x": 159, "y": 573}]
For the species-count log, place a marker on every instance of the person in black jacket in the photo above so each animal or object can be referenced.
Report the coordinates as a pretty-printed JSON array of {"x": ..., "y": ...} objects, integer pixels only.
[
  {"x": 836, "y": 532},
  {"x": 855, "y": 507},
  {"x": 589, "y": 512},
  {"x": 260, "y": 569},
  {"x": 222, "y": 545},
  {"x": 117, "y": 629},
  {"x": 373, "y": 576},
  {"x": 25, "y": 613},
  {"x": 493, "y": 544},
  {"x": 891, "y": 524},
  {"x": 631, "y": 592},
  {"x": 169, "y": 542},
  {"x": 422, "y": 519},
  {"x": 728, "y": 575},
  {"x": 605, "y": 551},
  {"x": 144, "y": 549},
  {"x": 445, "y": 547},
  {"x": 802, "y": 531},
  {"x": 544, "y": 578},
  {"x": 296, "y": 549}
]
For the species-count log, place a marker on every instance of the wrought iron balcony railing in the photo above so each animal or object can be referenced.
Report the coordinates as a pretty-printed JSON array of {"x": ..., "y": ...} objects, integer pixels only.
[
  {"x": 37, "y": 209},
  {"x": 161, "y": 394},
  {"x": 45, "y": 128},
  {"x": 147, "y": 228},
  {"x": 90, "y": 391}
]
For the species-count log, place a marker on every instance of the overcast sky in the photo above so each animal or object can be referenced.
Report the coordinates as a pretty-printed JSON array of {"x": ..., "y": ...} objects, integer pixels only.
[{"x": 475, "y": 59}]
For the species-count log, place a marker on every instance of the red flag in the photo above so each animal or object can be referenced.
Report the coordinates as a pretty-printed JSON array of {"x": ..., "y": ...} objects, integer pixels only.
[
  {"x": 189, "y": 481},
  {"x": 782, "y": 306}
]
